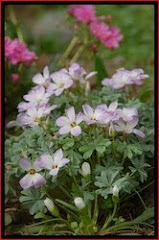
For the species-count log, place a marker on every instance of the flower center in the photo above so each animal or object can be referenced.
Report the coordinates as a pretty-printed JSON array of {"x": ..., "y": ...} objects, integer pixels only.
[
  {"x": 54, "y": 166},
  {"x": 37, "y": 120},
  {"x": 73, "y": 124},
  {"x": 62, "y": 85},
  {"x": 32, "y": 171},
  {"x": 93, "y": 119}
]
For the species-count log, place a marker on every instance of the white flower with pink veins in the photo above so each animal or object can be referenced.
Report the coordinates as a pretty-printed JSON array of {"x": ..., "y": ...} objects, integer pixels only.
[{"x": 70, "y": 122}]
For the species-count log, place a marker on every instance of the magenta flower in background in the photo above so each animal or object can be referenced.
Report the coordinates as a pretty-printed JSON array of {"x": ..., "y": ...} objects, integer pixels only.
[
  {"x": 128, "y": 127},
  {"x": 61, "y": 81},
  {"x": 42, "y": 79},
  {"x": 125, "y": 77},
  {"x": 32, "y": 178},
  {"x": 83, "y": 13},
  {"x": 97, "y": 116},
  {"x": 17, "y": 52},
  {"x": 70, "y": 122},
  {"x": 15, "y": 77},
  {"x": 53, "y": 163},
  {"x": 109, "y": 36}
]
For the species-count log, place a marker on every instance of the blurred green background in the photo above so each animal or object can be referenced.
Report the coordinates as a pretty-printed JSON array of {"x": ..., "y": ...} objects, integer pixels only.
[{"x": 47, "y": 32}]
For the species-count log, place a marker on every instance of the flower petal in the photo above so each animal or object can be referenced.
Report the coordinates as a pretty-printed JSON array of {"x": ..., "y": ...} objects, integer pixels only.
[
  {"x": 113, "y": 106},
  {"x": 79, "y": 117},
  {"x": 58, "y": 156},
  {"x": 76, "y": 131},
  {"x": 45, "y": 161},
  {"x": 139, "y": 133},
  {"x": 38, "y": 79},
  {"x": 64, "y": 130},
  {"x": 70, "y": 113},
  {"x": 25, "y": 163},
  {"x": 26, "y": 181},
  {"x": 54, "y": 171},
  {"x": 63, "y": 162},
  {"x": 38, "y": 180},
  {"x": 62, "y": 121},
  {"x": 91, "y": 74},
  {"x": 87, "y": 110},
  {"x": 46, "y": 72}
]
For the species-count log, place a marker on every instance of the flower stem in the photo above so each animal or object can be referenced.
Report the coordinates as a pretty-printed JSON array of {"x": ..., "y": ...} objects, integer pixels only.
[
  {"x": 106, "y": 224},
  {"x": 68, "y": 51},
  {"x": 77, "y": 54},
  {"x": 141, "y": 200}
]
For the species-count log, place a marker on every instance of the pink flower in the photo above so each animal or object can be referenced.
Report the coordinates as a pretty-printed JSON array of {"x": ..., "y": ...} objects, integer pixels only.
[
  {"x": 125, "y": 77},
  {"x": 128, "y": 127},
  {"x": 69, "y": 123},
  {"x": 96, "y": 116},
  {"x": 44, "y": 79},
  {"x": 53, "y": 163},
  {"x": 32, "y": 117},
  {"x": 32, "y": 178},
  {"x": 15, "y": 77},
  {"x": 61, "y": 81},
  {"x": 83, "y": 13},
  {"x": 110, "y": 37},
  {"x": 17, "y": 52}
]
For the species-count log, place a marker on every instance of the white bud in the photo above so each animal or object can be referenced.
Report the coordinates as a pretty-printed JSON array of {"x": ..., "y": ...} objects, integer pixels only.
[
  {"x": 51, "y": 207},
  {"x": 115, "y": 191},
  {"x": 86, "y": 169},
  {"x": 79, "y": 203},
  {"x": 49, "y": 204}
]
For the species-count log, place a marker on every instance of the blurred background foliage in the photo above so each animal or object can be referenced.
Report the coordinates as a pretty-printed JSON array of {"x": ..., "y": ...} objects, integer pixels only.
[{"x": 46, "y": 31}]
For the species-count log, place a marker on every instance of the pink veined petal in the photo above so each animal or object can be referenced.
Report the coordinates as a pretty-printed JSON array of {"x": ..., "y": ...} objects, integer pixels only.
[
  {"x": 113, "y": 106},
  {"x": 26, "y": 181},
  {"x": 25, "y": 163},
  {"x": 103, "y": 107},
  {"x": 70, "y": 113},
  {"x": 63, "y": 162},
  {"x": 88, "y": 111},
  {"x": 79, "y": 117},
  {"x": 58, "y": 156},
  {"x": 38, "y": 180},
  {"x": 36, "y": 165},
  {"x": 38, "y": 79},
  {"x": 65, "y": 130},
  {"x": 51, "y": 88},
  {"x": 130, "y": 125},
  {"x": 62, "y": 121},
  {"x": 68, "y": 83},
  {"x": 76, "y": 131},
  {"x": 46, "y": 72},
  {"x": 106, "y": 82},
  {"x": 32, "y": 112},
  {"x": 91, "y": 74},
  {"x": 139, "y": 133},
  {"x": 45, "y": 161},
  {"x": 58, "y": 91},
  {"x": 54, "y": 171}
]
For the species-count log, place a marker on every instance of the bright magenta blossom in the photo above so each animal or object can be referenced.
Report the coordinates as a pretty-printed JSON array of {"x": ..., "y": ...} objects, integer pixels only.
[
  {"x": 17, "y": 52},
  {"x": 83, "y": 13}
]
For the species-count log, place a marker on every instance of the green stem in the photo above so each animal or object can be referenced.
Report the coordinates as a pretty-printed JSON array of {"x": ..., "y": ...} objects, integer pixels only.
[
  {"x": 141, "y": 200},
  {"x": 68, "y": 51},
  {"x": 15, "y": 22},
  {"x": 77, "y": 54},
  {"x": 65, "y": 191},
  {"x": 106, "y": 224}
]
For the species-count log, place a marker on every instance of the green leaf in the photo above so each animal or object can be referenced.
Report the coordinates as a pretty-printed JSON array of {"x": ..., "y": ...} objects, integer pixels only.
[
  {"x": 33, "y": 200},
  {"x": 88, "y": 154},
  {"x": 8, "y": 219}
]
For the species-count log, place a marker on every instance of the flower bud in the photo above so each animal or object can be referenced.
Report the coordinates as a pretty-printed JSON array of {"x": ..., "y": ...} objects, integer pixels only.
[
  {"x": 115, "y": 191},
  {"x": 51, "y": 207},
  {"x": 86, "y": 170},
  {"x": 79, "y": 203}
]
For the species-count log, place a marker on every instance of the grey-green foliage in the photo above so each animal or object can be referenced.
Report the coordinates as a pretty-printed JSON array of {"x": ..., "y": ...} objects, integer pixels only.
[{"x": 33, "y": 200}]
